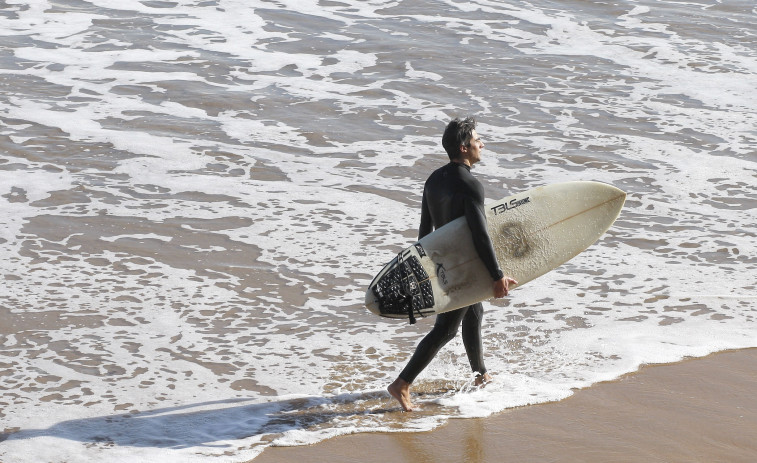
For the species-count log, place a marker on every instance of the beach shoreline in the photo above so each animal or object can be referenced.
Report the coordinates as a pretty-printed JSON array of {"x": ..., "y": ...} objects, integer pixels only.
[{"x": 699, "y": 409}]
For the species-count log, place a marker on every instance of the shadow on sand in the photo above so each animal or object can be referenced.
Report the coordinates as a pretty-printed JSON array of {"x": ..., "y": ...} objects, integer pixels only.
[{"x": 213, "y": 424}]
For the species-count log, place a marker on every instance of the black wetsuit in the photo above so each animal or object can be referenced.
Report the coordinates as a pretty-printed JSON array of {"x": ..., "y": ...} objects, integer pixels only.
[{"x": 451, "y": 192}]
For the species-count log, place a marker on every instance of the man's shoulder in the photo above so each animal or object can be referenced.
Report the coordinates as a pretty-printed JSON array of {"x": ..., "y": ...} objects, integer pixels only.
[
  {"x": 451, "y": 170},
  {"x": 440, "y": 174},
  {"x": 455, "y": 178},
  {"x": 471, "y": 185},
  {"x": 444, "y": 168}
]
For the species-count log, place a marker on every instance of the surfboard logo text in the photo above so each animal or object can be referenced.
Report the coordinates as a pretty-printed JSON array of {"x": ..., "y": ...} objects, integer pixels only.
[{"x": 504, "y": 207}]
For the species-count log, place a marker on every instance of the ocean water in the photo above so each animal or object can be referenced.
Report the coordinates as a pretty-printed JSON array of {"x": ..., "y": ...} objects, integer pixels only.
[{"x": 195, "y": 194}]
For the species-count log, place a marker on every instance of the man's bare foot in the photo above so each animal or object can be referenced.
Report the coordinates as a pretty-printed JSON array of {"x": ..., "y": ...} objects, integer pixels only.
[
  {"x": 400, "y": 390},
  {"x": 483, "y": 380}
]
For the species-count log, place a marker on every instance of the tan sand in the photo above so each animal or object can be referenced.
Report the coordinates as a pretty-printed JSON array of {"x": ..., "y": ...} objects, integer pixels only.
[{"x": 698, "y": 410}]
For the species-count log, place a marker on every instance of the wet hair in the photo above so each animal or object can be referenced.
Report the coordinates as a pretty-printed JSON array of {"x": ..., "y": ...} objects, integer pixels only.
[{"x": 458, "y": 133}]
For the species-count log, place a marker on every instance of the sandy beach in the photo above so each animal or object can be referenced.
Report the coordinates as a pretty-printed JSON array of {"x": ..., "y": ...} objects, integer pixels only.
[{"x": 697, "y": 410}]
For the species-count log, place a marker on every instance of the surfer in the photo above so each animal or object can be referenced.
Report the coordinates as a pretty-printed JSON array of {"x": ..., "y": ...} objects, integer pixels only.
[{"x": 451, "y": 192}]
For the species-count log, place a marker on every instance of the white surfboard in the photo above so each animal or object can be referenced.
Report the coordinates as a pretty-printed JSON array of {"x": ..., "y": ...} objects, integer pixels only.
[{"x": 532, "y": 233}]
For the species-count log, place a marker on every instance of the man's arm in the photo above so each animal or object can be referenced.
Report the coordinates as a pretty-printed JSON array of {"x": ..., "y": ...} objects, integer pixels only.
[
  {"x": 427, "y": 225},
  {"x": 474, "y": 214},
  {"x": 481, "y": 240}
]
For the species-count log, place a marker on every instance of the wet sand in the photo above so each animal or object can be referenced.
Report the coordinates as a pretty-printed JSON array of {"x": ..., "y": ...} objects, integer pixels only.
[{"x": 698, "y": 410}]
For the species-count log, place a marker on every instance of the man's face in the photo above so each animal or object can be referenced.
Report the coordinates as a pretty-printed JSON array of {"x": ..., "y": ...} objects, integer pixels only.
[{"x": 472, "y": 152}]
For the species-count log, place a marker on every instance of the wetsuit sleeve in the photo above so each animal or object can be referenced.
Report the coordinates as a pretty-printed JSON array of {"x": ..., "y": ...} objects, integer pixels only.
[
  {"x": 476, "y": 217},
  {"x": 427, "y": 225}
]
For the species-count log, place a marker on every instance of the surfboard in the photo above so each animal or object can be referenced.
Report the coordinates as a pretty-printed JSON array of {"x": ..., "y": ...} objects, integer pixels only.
[{"x": 533, "y": 233}]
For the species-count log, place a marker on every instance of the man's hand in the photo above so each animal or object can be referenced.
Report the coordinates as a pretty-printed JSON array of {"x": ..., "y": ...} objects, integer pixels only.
[{"x": 502, "y": 286}]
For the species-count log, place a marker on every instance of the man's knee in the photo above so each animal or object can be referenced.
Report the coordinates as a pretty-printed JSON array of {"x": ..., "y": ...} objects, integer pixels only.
[
  {"x": 447, "y": 325},
  {"x": 449, "y": 334}
]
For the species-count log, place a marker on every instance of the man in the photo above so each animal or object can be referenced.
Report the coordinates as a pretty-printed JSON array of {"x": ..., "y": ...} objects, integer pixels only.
[{"x": 451, "y": 192}]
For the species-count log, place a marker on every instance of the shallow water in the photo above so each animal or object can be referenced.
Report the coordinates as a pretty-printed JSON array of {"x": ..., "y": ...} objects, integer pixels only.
[{"x": 194, "y": 196}]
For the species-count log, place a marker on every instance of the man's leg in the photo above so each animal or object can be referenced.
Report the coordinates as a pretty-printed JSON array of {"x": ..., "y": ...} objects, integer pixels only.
[
  {"x": 444, "y": 330},
  {"x": 473, "y": 343}
]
